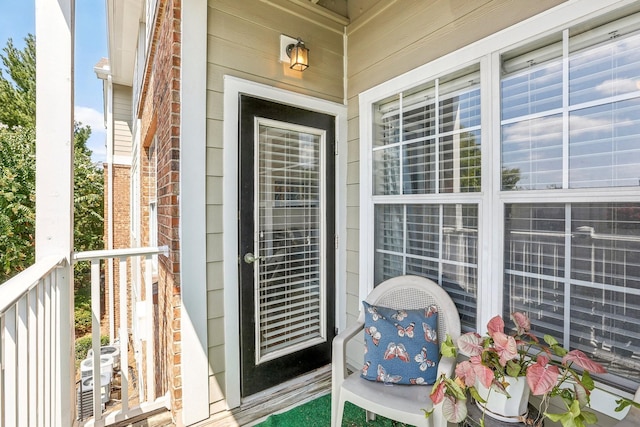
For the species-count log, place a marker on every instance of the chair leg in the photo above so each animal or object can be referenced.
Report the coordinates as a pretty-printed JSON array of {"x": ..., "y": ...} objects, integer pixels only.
[
  {"x": 371, "y": 416},
  {"x": 337, "y": 421}
]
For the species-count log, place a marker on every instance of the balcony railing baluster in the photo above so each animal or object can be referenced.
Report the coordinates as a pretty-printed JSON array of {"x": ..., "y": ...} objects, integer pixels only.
[{"x": 36, "y": 376}]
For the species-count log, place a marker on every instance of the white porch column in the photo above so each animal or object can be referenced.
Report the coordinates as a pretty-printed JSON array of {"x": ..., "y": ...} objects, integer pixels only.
[
  {"x": 54, "y": 176},
  {"x": 193, "y": 277}
]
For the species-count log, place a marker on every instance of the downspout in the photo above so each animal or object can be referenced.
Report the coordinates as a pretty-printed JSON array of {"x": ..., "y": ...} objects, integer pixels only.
[{"x": 109, "y": 108}]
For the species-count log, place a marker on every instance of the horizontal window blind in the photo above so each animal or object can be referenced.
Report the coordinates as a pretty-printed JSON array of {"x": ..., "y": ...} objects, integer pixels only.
[
  {"x": 586, "y": 133},
  {"x": 289, "y": 290},
  {"x": 427, "y": 140},
  {"x": 575, "y": 269},
  {"x": 435, "y": 241}
]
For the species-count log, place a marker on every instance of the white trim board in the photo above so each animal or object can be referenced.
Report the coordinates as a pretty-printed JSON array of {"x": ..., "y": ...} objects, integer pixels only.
[
  {"x": 193, "y": 274},
  {"x": 233, "y": 87}
]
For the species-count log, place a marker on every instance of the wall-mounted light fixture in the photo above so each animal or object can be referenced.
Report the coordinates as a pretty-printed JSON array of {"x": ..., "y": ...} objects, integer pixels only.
[{"x": 294, "y": 52}]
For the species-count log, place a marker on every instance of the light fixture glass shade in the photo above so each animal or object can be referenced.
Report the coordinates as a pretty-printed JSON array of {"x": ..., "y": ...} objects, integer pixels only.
[{"x": 299, "y": 57}]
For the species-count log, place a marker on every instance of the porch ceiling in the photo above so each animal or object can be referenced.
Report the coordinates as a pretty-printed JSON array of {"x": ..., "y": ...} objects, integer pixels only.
[{"x": 123, "y": 19}]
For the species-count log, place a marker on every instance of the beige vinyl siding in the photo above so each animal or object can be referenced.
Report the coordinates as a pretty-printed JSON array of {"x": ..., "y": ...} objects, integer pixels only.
[
  {"x": 122, "y": 113},
  {"x": 389, "y": 40},
  {"x": 244, "y": 41}
]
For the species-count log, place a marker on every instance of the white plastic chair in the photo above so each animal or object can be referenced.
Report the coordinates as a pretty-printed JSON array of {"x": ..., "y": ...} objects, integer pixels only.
[{"x": 404, "y": 403}]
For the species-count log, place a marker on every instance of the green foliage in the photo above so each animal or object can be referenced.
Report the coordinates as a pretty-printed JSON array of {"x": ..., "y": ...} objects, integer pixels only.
[
  {"x": 17, "y": 169},
  {"x": 18, "y": 89},
  {"x": 83, "y": 310},
  {"x": 88, "y": 195},
  {"x": 83, "y": 344},
  {"x": 17, "y": 200}
]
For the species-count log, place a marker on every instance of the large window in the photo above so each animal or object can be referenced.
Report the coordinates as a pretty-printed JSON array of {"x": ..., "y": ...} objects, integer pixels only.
[
  {"x": 570, "y": 120},
  {"x": 426, "y": 145},
  {"x": 543, "y": 216}
]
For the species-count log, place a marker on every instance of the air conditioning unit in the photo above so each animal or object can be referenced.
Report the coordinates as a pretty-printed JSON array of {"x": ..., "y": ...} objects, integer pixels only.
[
  {"x": 85, "y": 395},
  {"x": 106, "y": 367},
  {"x": 108, "y": 350}
]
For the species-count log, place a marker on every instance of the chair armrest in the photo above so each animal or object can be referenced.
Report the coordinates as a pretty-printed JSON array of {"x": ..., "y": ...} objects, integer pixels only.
[
  {"x": 339, "y": 364},
  {"x": 446, "y": 366},
  {"x": 339, "y": 350}
]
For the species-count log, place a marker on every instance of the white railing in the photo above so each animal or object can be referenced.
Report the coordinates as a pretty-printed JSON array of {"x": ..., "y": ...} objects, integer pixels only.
[
  {"x": 141, "y": 328},
  {"x": 36, "y": 346},
  {"x": 36, "y": 375}
]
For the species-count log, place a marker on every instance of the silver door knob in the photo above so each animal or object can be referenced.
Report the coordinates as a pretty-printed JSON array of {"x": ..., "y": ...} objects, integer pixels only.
[{"x": 250, "y": 258}]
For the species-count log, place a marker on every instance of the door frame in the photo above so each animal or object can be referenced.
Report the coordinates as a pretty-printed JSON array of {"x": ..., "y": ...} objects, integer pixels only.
[{"x": 233, "y": 87}]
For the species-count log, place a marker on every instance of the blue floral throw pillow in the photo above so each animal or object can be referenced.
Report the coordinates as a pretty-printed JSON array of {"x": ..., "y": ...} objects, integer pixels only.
[{"x": 400, "y": 346}]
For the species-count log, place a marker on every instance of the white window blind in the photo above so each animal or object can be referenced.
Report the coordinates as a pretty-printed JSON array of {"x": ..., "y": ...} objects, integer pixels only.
[
  {"x": 427, "y": 141},
  {"x": 289, "y": 289},
  {"x": 575, "y": 268},
  {"x": 570, "y": 119},
  {"x": 436, "y": 241}
]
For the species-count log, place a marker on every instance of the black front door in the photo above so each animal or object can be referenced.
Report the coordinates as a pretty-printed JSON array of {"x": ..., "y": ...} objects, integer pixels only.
[{"x": 286, "y": 233}]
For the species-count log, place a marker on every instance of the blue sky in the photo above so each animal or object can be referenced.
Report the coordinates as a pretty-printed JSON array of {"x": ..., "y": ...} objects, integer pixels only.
[{"x": 17, "y": 19}]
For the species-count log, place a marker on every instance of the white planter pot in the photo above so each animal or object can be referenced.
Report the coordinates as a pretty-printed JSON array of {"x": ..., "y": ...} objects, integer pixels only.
[{"x": 505, "y": 408}]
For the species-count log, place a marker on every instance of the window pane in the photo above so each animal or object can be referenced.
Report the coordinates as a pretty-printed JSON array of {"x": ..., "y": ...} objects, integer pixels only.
[
  {"x": 602, "y": 283},
  {"x": 603, "y": 144},
  {"x": 423, "y": 230},
  {"x": 386, "y": 126},
  {"x": 605, "y": 303},
  {"x": 420, "y": 167},
  {"x": 386, "y": 166},
  {"x": 532, "y": 154},
  {"x": 418, "y": 120},
  {"x": 460, "y": 163},
  {"x": 534, "y": 90},
  {"x": 460, "y": 111},
  {"x": 605, "y": 71},
  {"x": 435, "y": 241},
  {"x": 460, "y": 233},
  {"x": 429, "y": 136},
  {"x": 534, "y": 261}
]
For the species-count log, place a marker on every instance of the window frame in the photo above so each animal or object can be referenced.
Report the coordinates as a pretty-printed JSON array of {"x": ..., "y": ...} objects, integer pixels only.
[{"x": 491, "y": 200}]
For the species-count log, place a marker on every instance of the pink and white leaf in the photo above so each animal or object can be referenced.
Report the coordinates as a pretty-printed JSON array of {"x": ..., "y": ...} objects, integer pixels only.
[
  {"x": 484, "y": 374},
  {"x": 522, "y": 322},
  {"x": 505, "y": 346},
  {"x": 582, "y": 394},
  {"x": 542, "y": 378},
  {"x": 455, "y": 411},
  {"x": 583, "y": 361},
  {"x": 466, "y": 372},
  {"x": 437, "y": 392},
  {"x": 496, "y": 324},
  {"x": 470, "y": 344}
]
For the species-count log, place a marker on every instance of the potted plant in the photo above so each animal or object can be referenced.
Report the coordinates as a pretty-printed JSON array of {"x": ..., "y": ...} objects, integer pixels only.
[{"x": 498, "y": 360}]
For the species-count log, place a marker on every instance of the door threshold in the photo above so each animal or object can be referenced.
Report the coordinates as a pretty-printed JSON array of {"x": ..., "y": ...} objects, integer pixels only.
[{"x": 282, "y": 397}]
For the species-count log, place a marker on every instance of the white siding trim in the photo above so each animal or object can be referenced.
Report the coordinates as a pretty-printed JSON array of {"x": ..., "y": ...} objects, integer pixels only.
[
  {"x": 122, "y": 160},
  {"x": 193, "y": 278},
  {"x": 233, "y": 87}
]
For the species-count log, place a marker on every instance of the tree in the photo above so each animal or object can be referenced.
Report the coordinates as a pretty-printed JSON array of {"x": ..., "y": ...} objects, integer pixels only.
[
  {"x": 17, "y": 200},
  {"x": 18, "y": 95},
  {"x": 17, "y": 169}
]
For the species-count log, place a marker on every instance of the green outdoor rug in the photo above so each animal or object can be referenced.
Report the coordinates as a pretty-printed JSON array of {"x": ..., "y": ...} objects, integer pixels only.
[{"x": 317, "y": 413}]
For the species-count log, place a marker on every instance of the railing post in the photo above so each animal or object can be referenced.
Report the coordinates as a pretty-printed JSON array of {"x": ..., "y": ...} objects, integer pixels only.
[
  {"x": 54, "y": 30},
  {"x": 95, "y": 338},
  {"x": 124, "y": 338},
  {"x": 150, "y": 352}
]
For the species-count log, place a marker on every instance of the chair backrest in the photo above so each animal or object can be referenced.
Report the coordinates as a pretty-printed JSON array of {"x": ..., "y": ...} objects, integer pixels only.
[{"x": 415, "y": 292}]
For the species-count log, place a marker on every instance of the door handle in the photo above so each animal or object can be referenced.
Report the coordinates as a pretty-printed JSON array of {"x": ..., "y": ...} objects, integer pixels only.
[{"x": 250, "y": 258}]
